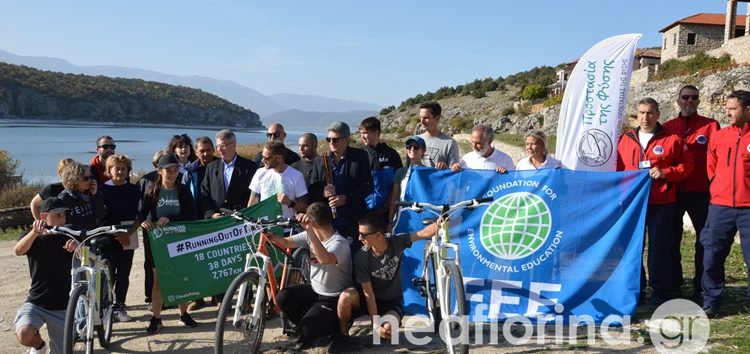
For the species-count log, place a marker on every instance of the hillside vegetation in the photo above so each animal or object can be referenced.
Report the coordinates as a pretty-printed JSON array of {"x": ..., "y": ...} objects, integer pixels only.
[{"x": 31, "y": 93}]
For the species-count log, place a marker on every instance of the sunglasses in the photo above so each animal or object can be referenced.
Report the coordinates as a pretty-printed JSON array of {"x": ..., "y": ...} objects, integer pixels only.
[
  {"x": 266, "y": 158},
  {"x": 687, "y": 97},
  {"x": 108, "y": 146},
  {"x": 85, "y": 178},
  {"x": 412, "y": 147},
  {"x": 333, "y": 140},
  {"x": 273, "y": 135},
  {"x": 367, "y": 234}
]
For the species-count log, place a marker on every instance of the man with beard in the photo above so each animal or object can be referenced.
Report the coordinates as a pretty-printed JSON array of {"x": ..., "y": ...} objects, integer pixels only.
[
  {"x": 105, "y": 147},
  {"x": 277, "y": 179},
  {"x": 692, "y": 193},
  {"x": 483, "y": 156}
]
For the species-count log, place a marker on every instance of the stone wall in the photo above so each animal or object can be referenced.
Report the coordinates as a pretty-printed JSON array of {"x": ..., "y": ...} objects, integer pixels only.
[
  {"x": 642, "y": 75},
  {"x": 738, "y": 48}
]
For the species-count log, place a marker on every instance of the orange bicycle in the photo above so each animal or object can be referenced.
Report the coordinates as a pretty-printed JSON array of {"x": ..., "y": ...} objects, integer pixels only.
[{"x": 241, "y": 321}]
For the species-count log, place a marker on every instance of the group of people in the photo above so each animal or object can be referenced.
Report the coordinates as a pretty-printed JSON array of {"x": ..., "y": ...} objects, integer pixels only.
[
  {"x": 699, "y": 168},
  {"x": 345, "y": 202}
]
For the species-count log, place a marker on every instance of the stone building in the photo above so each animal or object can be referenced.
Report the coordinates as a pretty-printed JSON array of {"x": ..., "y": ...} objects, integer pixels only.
[{"x": 698, "y": 33}]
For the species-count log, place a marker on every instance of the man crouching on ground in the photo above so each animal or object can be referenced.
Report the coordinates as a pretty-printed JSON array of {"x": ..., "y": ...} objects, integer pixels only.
[
  {"x": 312, "y": 307},
  {"x": 49, "y": 263},
  {"x": 377, "y": 271}
]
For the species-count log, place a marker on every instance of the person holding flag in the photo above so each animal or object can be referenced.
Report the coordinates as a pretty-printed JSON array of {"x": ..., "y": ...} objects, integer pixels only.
[{"x": 649, "y": 146}]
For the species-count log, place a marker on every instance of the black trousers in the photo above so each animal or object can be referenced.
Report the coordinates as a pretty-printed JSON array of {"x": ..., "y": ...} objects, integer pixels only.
[
  {"x": 314, "y": 315},
  {"x": 696, "y": 205},
  {"x": 148, "y": 265},
  {"x": 660, "y": 243},
  {"x": 122, "y": 263}
]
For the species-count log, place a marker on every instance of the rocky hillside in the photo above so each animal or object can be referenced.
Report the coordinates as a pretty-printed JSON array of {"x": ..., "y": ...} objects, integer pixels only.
[
  {"x": 29, "y": 93},
  {"x": 460, "y": 113}
]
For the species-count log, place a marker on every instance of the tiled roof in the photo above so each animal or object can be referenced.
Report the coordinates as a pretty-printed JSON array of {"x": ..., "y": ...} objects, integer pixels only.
[
  {"x": 648, "y": 53},
  {"x": 706, "y": 19}
]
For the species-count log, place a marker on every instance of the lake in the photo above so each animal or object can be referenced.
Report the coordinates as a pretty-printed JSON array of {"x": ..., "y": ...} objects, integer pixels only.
[{"x": 39, "y": 146}]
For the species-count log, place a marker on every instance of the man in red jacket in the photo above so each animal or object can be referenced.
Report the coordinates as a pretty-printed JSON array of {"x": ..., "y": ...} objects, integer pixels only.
[
  {"x": 105, "y": 147},
  {"x": 692, "y": 193},
  {"x": 663, "y": 154},
  {"x": 728, "y": 167}
]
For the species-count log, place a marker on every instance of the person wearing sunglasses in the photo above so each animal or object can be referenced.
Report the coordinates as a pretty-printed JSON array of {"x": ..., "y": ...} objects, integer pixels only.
[
  {"x": 350, "y": 183},
  {"x": 276, "y": 132},
  {"x": 85, "y": 203},
  {"x": 105, "y": 147},
  {"x": 692, "y": 193}
]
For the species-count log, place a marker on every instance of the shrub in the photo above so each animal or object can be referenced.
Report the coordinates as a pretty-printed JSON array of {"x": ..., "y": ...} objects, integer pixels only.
[
  {"x": 8, "y": 167},
  {"x": 387, "y": 110},
  {"x": 534, "y": 91},
  {"x": 552, "y": 101},
  {"x": 507, "y": 111},
  {"x": 699, "y": 63},
  {"x": 17, "y": 195}
]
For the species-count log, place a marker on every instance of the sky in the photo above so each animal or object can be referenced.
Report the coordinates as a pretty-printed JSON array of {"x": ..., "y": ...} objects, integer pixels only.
[{"x": 380, "y": 52}]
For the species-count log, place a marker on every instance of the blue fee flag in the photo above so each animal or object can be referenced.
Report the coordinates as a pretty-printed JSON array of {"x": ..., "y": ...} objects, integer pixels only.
[{"x": 553, "y": 241}]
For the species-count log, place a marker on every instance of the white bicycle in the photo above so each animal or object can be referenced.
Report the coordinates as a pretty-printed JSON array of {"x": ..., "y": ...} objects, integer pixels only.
[
  {"x": 92, "y": 287},
  {"x": 441, "y": 282}
]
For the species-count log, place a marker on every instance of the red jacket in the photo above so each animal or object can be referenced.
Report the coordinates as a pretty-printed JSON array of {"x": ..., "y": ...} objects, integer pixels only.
[
  {"x": 665, "y": 151},
  {"x": 696, "y": 132},
  {"x": 728, "y": 166},
  {"x": 97, "y": 169}
]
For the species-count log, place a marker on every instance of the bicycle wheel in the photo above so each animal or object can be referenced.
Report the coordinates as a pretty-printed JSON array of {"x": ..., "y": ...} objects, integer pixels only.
[
  {"x": 430, "y": 284},
  {"x": 242, "y": 336},
  {"x": 458, "y": 320},
  {"x": 71, "y": 342},
  {"x": 104, "y": 331}
]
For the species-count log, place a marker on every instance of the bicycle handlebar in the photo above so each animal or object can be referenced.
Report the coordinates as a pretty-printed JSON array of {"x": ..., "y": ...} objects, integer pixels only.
[
  {"x": 102, "y": 230},
  {"x": 286, "y": 222},
  {"x": 445, "y": 208}
]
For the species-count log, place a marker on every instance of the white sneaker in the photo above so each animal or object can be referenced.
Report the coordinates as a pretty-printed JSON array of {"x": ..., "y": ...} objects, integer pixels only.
[{"x": 121, "y": 315}]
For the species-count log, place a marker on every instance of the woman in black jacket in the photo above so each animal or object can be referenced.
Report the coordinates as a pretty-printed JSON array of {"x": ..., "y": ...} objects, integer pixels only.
[{"x": 167, "y": 200}]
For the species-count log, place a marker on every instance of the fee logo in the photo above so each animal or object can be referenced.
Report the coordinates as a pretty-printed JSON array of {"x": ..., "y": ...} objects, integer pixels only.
[{"x": 658, "y": 149}]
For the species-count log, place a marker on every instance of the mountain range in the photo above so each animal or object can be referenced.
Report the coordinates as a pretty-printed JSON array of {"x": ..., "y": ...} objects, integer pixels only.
[{"x": 300, "y": 110}]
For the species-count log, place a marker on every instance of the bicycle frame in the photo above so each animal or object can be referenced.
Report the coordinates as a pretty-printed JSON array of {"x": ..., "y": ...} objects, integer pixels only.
[{"x": 86, "y": 272}]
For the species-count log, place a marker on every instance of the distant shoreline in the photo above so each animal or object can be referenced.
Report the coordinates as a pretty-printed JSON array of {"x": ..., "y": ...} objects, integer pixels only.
[{"x": 24, "y": 121}]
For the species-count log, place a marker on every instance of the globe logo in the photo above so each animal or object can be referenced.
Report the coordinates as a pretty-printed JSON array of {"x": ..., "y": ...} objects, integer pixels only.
[{"x": 515, "y": 225}]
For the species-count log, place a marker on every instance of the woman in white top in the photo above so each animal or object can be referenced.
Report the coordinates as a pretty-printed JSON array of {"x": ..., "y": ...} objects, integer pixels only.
[{"x": 538, "y": 156}]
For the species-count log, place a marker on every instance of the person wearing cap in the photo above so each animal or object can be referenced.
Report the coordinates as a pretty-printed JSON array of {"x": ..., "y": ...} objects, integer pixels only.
[
  {"x": 49, "y": 258},
  {"x": 277, "y": 133},
  {"x": 105, "y": 147},
  {"x": 538, "y": 156},
  {"x": 351, "y": 184},
  {"x": 415, "y": 149},
  {"x": 442, "y": 150},
  {"x": 384, "y": 161},
  {"x": 483, "y": 156},
  {"x": 146, "y": 183},
  {"x": 166, "y": 201}
]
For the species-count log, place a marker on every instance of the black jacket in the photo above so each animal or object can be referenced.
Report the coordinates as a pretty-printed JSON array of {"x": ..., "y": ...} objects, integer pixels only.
[
  {"x": 147, "y": 208},
  {"x": 237, "y": 195},
  {"x": 358, "y": 183}
]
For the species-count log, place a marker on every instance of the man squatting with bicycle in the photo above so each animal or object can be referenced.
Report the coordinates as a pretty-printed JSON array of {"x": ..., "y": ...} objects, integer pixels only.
[
  {"x": 312, "y": 307},
  {"x": 50, "y": 259},
  {"x": 377, "y": 272}
]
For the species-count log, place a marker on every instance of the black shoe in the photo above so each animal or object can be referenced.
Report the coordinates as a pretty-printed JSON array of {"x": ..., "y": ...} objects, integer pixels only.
[
  {"x": 154, "y": 325},
  {"x": 302, "y": 344},
  {"x": 711, "y": 311},
  {"x": 187, "y": 320}
]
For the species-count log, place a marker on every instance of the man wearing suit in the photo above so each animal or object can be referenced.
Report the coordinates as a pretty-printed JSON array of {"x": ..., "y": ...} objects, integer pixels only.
[
  {"x": 227, "y": 180},
  {"x": 351, "y": 184}
]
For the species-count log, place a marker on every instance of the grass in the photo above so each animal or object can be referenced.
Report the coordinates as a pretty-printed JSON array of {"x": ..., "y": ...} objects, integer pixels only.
[{"x": 11, "y": 234}]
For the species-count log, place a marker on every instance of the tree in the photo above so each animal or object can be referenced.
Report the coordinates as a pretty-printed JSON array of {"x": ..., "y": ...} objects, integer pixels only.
[{"x": 534, "y": 91}]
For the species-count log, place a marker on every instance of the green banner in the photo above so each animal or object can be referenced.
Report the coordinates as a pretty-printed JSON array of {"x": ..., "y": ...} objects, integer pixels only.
[{"x": 196, "y": 259}]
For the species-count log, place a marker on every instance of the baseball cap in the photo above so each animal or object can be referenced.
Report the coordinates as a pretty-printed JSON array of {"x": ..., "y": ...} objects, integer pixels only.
[
  {"x": 417, "y": 140},
  {"x": 168, "y": 160},
  {"x": 54, "y": 205}
]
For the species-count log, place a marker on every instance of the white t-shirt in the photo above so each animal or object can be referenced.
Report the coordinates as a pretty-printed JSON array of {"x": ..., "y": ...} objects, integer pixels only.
[
  {"x": 525, "y": 163},
  {"x": 268, "y": 183},
  {"x": 475, "y": 161},
  {"x": 644, "y": 137}
]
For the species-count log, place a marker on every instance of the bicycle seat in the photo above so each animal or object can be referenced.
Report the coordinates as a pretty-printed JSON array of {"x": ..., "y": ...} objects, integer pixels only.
[{"x": 99, "y": 243}]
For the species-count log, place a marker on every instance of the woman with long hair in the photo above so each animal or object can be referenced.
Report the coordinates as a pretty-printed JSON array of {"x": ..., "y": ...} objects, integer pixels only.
[{"x": 165, "y": 201}]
